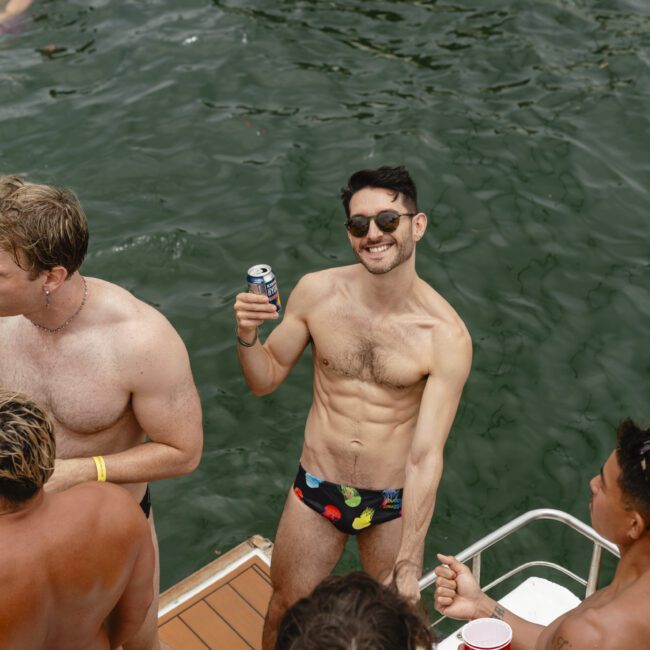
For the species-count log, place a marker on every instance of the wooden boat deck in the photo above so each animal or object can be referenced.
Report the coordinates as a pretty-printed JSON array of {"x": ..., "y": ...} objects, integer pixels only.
[{"x": 221, "y": 606}]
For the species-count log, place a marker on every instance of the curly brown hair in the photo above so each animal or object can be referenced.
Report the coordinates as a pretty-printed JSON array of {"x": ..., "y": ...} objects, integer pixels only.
[
  {"x": 27, "y": 447},
  {"x": 353, "y": 612},
  {"x": 42, "y": 226}
]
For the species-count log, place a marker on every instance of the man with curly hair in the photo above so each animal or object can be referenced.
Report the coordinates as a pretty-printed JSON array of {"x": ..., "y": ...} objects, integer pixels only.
[
  {"x": 76, "y": 566},
  {"x": 353, "y": 612}
]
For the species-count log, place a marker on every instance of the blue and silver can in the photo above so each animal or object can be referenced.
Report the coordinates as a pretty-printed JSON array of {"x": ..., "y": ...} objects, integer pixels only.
[{"x": 262, "y": 280}]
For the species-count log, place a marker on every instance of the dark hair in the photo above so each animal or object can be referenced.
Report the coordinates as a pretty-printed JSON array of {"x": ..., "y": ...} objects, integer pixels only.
[
  {"x": 353, "y": 612},
  {"x": 633, "y": 454},
  {"x": 27, "y": 447},
  {"x": 42, "y": 226},
  {"x": 396, "y": 179}
]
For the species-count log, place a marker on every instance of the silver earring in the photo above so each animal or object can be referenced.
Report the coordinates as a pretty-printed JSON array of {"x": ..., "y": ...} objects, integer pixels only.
[{"x": 47, "y": 298}]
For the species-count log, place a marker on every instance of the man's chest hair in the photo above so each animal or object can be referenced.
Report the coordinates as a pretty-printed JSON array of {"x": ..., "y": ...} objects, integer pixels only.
[{"x": 383, "y": 353}]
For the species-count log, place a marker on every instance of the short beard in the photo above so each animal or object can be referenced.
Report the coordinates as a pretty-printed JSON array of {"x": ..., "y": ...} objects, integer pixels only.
[{"x": 404, "y": 253}]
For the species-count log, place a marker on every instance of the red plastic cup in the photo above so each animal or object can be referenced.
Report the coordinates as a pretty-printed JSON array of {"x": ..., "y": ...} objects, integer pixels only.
[{"x": 487, "y": 634}]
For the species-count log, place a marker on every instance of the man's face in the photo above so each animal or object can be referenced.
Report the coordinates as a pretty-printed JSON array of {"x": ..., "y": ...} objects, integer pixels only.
[
  {"x": 609, "y": 515},
  {"x": 378, "y": 251},
  {"x": 19, "y": 294}
]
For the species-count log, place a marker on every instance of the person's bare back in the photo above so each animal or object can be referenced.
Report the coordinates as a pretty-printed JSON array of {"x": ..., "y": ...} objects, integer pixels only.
[
  {"x": 68, "y": 561},
  {"x": 76, "y": 567}
]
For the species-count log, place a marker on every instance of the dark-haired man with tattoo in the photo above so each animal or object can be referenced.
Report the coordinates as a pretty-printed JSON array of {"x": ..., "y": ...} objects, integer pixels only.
[
  {"x": 612, "y": 618},
  {"x": 391, "y": 358}
]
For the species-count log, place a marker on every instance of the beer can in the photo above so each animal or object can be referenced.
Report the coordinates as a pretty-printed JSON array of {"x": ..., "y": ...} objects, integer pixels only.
[{"x": 262, "y": 280}]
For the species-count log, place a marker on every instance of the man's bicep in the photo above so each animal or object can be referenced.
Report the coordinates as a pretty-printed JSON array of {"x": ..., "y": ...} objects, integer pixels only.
[
  {"x": 450, "y": 368},
  {"x": 164, "y": 397},
  {"x": 289, "y": 339}
]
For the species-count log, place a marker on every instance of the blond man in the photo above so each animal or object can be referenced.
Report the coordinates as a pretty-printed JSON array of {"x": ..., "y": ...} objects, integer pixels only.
[
  {"x": 111, "y": 371},
  {"x": 72, "y": 578}
]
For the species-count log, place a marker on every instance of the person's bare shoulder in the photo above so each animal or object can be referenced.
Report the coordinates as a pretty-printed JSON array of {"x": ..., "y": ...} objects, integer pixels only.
[
  {"x": 611, "y": 627},
  {"x": 316, "y": 288},
  {"x": 107, "y": 509},
  {"x": 116, "y": 307},
  {"x": 451, "y": 343},
  {"x": 135, "y": 329},
  {"x": 101, "y": 496}
]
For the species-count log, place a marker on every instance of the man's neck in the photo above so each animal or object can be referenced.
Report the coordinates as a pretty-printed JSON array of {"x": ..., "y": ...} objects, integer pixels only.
[
  {"x": 386, "y": 291},
  {"x": 63, "y": 304},
  {"x": 11, "y": 509},
  {"x": 635, "y": 561}
]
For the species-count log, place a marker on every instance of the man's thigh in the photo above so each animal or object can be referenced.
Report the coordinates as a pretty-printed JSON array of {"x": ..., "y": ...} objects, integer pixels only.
[
  {"x": 307, "y": 548},
  {"x": 378, "y": 548}
]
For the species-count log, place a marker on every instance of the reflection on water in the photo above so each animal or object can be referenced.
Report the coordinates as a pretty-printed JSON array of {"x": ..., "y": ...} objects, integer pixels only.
[{"x": 206, "y": 137}]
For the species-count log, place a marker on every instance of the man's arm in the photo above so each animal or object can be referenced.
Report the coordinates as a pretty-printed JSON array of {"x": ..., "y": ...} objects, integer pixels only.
[
  {"x": 266, "y": 366},
  {"x": 166, "y": 405},
  {"x": 131, "y": 609},
  {"x": 451, "y": 361},
  {"x": 459, "y": 596}
]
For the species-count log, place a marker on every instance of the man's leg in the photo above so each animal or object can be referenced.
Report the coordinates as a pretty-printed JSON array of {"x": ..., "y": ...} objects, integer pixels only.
[
  {"x": 147, "y": 636},
  {"x": 307, "y": 548},
  {"x": 378, "y": 548}
]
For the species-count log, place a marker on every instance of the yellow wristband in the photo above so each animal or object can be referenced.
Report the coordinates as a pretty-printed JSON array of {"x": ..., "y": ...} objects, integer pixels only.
[{"x": 101, "y": 467}]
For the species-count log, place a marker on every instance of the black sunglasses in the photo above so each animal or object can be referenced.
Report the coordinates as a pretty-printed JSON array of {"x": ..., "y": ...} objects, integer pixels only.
[{"x": 386, "y": 220}]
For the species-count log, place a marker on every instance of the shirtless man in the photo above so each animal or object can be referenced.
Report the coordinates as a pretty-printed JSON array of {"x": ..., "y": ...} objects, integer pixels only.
[
  {"x": 612, "y": 618},
  {"x": 76, "y": 567},
  {"x": 390, "y": 360},
  {"x": 110, "y": 371}
]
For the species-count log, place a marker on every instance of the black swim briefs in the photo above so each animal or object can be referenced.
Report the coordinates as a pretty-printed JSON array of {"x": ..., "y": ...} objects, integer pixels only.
[
  {"x": 145, "y": 504},
  {"x": 349, "y": 509}
]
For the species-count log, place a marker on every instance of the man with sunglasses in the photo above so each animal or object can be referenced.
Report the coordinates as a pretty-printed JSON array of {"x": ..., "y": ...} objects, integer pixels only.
[
  {"x": 612, "y": 618},
  {"x": 391, "y": 358}
]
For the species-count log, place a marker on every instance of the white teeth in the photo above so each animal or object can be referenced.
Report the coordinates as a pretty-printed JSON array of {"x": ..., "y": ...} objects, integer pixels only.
[{"x": 378, "y": 249}]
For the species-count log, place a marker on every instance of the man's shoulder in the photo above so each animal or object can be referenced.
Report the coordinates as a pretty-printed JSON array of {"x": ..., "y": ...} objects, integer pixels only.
[
  {"x": 321, "y": 280},
  {"x": 106, "y": 504},
  {"x": 128, "y": 318},
  {"x": 440, "y": 310},
  {"x": 317, "y": 286},
  {"x": 620, "y": 622}
]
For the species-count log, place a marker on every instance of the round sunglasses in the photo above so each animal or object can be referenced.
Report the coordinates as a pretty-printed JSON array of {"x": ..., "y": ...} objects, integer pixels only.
[{"x": 386, "y": 220}]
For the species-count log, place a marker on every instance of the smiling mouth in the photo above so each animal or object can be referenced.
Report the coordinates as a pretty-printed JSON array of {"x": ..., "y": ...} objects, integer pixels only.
[{"x": 378, "y": 249}]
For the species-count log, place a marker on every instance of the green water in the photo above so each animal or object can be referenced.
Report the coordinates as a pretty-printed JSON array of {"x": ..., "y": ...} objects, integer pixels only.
[{"x": 203, "y": 137}]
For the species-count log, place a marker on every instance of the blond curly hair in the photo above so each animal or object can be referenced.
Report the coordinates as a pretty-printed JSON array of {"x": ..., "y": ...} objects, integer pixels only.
[{"x": 27, "y": 447}]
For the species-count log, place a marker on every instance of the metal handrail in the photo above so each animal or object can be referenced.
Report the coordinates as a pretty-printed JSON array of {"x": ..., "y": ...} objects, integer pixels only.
[{"x": 474, "y": 551}]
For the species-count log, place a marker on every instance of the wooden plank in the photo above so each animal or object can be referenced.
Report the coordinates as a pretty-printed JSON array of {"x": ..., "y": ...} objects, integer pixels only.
[
  {"x": 212, "y": 629},
  {"x": 180, "y": 637},
  {"x": 210, "y": 588},
  {"x": 264, "y": 571},
  {"x": 253, "y": 589},
  {"x": 245, "y": 620},
  {"x": 220, "y": 564}
]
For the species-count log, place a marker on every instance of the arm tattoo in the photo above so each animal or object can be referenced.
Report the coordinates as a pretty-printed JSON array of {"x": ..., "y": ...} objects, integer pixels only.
[
  {"x": 498, "y": 612},
  {"x": 561, "y": 643}
]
